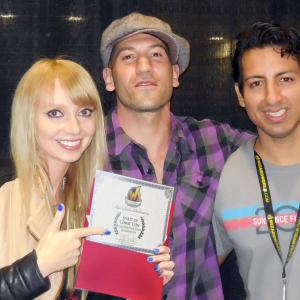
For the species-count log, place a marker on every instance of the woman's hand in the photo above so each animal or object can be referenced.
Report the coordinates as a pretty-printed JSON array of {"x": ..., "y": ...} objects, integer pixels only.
[
  {"x": 164, "y": 266},
  {"x": 60, "y": 249}
]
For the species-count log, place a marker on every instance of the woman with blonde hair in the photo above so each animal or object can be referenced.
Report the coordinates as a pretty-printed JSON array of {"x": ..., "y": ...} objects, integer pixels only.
[{"x": 57, "y": 142}]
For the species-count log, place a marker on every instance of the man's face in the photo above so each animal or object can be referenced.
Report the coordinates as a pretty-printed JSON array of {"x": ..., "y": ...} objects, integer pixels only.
[
  {"x": 271, "y": 93},
  {"x": 141, "y": 73}
]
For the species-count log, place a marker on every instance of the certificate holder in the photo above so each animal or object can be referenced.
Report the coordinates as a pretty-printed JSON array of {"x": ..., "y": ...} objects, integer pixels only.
[{"x": 138, "y": 213}]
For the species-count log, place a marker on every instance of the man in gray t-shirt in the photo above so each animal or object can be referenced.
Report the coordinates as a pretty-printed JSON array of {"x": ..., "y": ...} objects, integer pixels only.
[
  {"x": 240, "y": 223},
  {"x": 263, "y": 178}
]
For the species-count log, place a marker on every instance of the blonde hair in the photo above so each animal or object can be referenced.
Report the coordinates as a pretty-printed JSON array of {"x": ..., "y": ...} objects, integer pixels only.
[{"x": 30, "y": 168}]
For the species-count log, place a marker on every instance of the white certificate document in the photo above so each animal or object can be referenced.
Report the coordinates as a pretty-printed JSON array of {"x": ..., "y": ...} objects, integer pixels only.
[{"x": 135, "y": 211}]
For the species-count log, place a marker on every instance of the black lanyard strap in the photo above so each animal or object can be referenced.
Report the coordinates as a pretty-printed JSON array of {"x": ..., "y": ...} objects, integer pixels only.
[{"x": 270, "y": 217}]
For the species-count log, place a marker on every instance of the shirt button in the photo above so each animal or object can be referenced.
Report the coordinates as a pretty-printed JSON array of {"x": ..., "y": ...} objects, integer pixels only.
[
  {"x": 165, "y": 296},
  {"x": 149, "y": 171}
]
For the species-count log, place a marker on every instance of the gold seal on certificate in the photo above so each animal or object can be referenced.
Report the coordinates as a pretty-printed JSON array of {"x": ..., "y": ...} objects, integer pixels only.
[{"x": 136, "y": 211}]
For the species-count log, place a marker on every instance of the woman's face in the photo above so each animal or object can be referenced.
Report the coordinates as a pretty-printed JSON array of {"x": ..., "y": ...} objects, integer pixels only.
[{"x": 63, "y": 129}]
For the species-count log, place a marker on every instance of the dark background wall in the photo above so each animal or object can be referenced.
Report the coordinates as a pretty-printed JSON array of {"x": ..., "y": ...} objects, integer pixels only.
[{"x": 33, "y": 29}]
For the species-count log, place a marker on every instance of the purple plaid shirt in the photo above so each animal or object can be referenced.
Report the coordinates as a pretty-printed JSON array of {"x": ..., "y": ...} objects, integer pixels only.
[{"x": 196, "y": 156}]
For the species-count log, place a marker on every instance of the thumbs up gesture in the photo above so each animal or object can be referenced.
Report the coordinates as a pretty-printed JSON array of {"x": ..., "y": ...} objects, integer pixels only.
[{"x": 60, "y": 249}]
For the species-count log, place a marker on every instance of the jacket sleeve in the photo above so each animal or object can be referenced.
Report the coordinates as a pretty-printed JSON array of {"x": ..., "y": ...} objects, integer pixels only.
[{"x": 22, "y": 279}]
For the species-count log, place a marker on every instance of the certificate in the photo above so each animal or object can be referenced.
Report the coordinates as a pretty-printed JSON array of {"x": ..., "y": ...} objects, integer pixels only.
[
  {"x": 138, "y": 213},
  {"x": 135, "y": 211}
]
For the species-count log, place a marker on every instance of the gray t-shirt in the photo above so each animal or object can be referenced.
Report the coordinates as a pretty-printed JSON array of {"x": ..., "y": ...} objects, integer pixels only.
[{"x": 240, "y": 224}]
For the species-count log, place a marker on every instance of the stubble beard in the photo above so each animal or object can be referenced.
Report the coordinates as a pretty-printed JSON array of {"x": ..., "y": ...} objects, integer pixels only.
[{"x": 139, "y": 108}]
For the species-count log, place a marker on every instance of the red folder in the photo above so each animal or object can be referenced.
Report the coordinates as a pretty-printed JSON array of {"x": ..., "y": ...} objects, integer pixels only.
[{"x": 117, "y": 271}]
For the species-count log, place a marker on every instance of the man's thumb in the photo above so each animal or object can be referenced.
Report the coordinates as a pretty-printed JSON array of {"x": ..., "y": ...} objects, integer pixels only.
[{"x": 58, "y": 218}]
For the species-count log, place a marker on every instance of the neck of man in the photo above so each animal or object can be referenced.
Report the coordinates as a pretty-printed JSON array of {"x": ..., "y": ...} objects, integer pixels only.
[
  {"x": 278, "y": 151},
  {"x": 151, "y": 130}
]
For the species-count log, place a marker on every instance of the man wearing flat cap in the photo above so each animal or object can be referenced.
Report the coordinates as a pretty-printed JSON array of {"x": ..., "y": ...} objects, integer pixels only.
[{"x": 142, "y": 60}]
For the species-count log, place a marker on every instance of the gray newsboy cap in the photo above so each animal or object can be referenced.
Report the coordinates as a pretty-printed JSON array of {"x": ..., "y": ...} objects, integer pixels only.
[{"x": 135, "y": 23}]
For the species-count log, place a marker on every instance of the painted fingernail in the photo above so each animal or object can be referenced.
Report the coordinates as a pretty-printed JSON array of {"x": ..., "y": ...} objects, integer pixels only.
[
  {"x": 107, "y": 232},
  {"x": 156, "y": 268},
  {"x": 156, "y": 251},
  {"x": 150, "y": 259},
  {"x": 60, "y": 207}
]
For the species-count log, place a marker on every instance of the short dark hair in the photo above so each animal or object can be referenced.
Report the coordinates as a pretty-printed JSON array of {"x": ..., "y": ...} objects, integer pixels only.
[{"x": 260, "y": 35}]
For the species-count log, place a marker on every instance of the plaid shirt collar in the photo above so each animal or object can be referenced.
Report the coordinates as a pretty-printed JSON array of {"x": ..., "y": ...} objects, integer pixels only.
[{"x": 118, "y": 140}]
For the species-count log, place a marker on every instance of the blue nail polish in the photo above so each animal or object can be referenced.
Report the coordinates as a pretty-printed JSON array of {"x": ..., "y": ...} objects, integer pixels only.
[
  {"x": 156, "y": 251},
  {"x": 156, "y": 268},
  {"x": 150, "y": 259},
  {"x": 60, "y": 207},
  {"x": 107, "y": 232}
]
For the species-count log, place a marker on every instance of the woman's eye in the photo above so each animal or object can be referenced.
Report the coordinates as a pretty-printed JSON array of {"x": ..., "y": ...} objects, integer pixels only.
[
  {"x": 86, "y": 112},
  {"x": 54, "y": 113}
]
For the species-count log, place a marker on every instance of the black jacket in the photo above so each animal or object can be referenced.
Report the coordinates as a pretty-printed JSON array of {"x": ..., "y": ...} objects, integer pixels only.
[{"x": 23, "y": 279}]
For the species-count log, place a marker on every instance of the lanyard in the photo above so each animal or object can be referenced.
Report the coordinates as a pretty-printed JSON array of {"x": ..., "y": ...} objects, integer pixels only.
[{"x": 270, "y": 217}]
